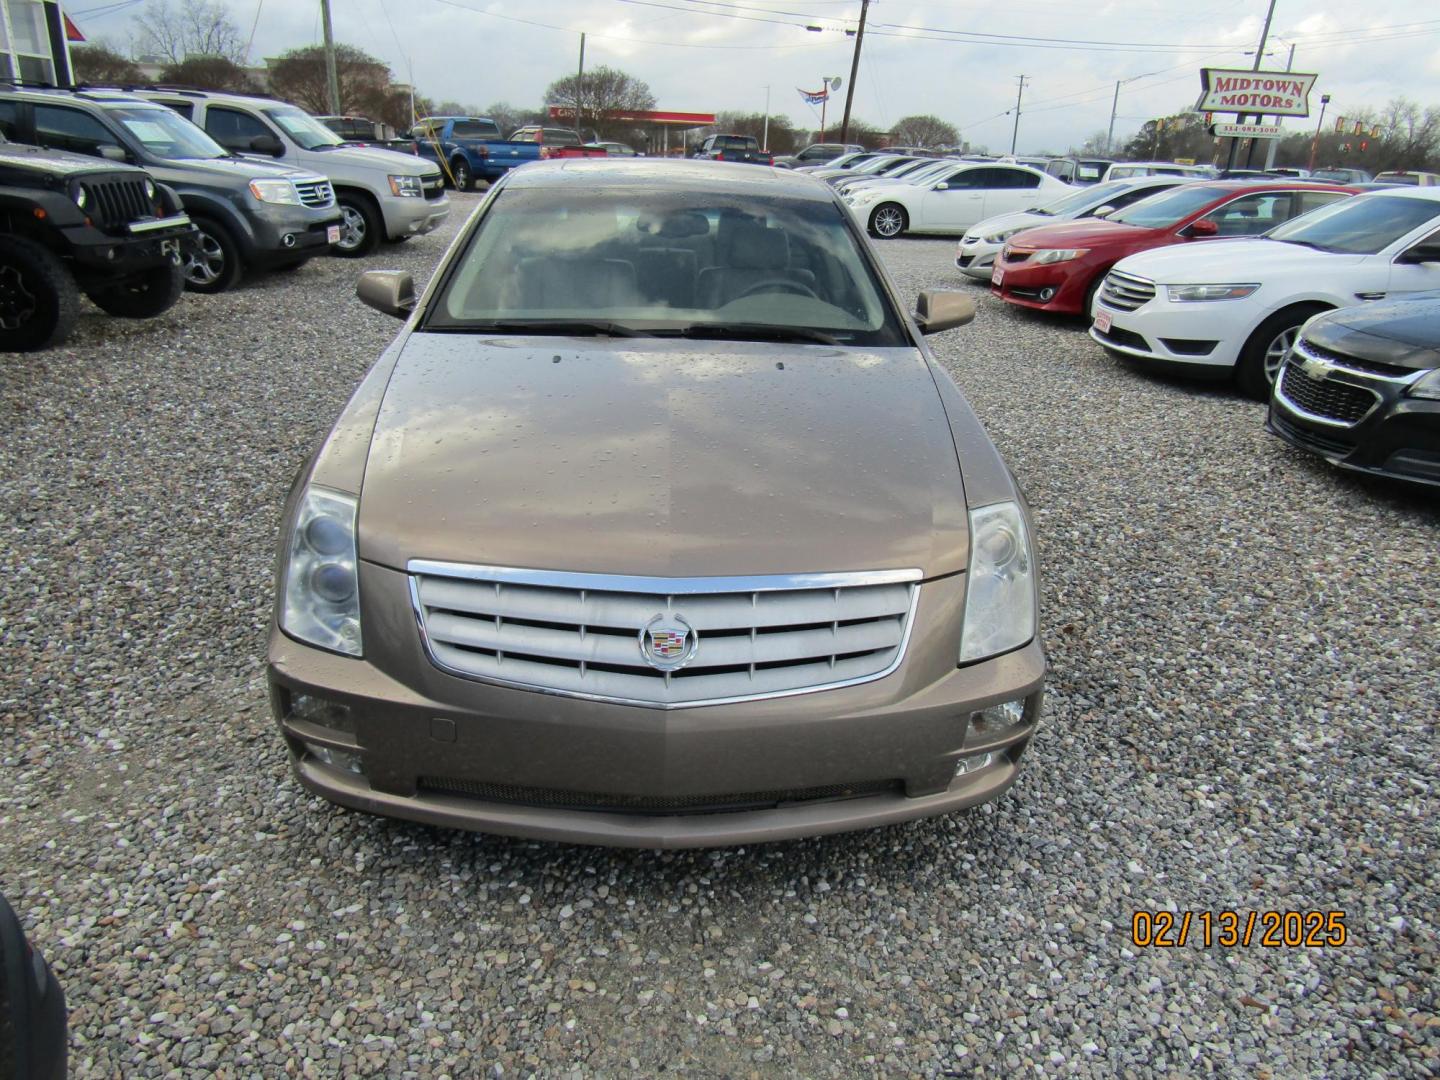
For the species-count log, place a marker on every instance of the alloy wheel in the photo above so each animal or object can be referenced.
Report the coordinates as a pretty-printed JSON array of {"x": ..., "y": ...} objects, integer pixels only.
[
  {"x": 352, "y": 229},
  {"x": 17, "y": 302},
  {"x": 205, "y": 262},
  {"x": 888, "y": 221},
  {"x": 1277, "y": 352}
]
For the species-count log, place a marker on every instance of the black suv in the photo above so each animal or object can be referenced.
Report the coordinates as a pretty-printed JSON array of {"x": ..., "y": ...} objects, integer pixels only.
[
  {"x": 248, "y": 213},
  {"x": 69, "y": 223}
]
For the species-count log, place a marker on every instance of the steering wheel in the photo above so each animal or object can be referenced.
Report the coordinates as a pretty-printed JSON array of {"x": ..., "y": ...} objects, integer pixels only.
[{"x": 784, "y": 285}]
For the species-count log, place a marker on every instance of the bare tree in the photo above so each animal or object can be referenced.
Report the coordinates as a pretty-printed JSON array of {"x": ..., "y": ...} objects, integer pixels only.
[
  {"x": 174, "y": 30},
  {"x": 784, "y": 139},
  {"x": 605, "y": 90},
  {"x": 298, "y": 76},
  {"x": 209, "y": 73},
  {"x": 927, "y": 131},
  {"x": 97, "y": 63}
]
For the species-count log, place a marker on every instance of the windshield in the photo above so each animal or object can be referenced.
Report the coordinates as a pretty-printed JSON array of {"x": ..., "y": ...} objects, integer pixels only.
[
  {"x": 910, "y": 168},
  {"x": 308, "y": 133},
  {"x": 876, "y": 164},
  {"x": 1163, "y": 210},
  {"x": 927, "y": 170},
  {"x": 166, "y": 134},
  {"x": 662, "y": 262},
  {"x": 1399, "y": 178},
  {"x": 1360, "y": 226},
  {"x": 1078, "y": 202}
]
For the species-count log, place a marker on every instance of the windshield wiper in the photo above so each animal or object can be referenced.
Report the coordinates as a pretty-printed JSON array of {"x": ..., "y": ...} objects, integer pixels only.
[
  {"x": 751, "y": 332},
  {"x": 1304, "y": 243},
  {"x": 560, "y": 327}
]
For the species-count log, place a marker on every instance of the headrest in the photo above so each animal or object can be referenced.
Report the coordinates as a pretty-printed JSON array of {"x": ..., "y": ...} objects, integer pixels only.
[
  {"x": 674, "y": 226},
  {"x": 756, "y": 247}
]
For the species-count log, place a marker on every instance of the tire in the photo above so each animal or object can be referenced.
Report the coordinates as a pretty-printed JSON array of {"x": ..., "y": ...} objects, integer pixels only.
[
  {"x": 1090, "y": 294},
  {"x": 39, "y": 302},
  {"x": 1263, "y": 354},
  {"x": 889, "y": 220},
  {"x": 213, "y": 263},
  {"x": 464, "y": 178},
  {"x": 143, "y": 296},
  {"x": 362, "y": 228}
]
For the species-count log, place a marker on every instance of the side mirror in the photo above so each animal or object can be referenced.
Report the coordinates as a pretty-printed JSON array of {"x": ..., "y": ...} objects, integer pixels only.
[
  {"x": 936, "y": 310},
  {"x": 388, "y": 291},
  {"x": 943, "y": 185},
  {"x": 1102, "y": 212},
  {"x": 267, "y": 144},
  {"x": 1205, "y": 227},
  {"x": 111, "y": 152}
]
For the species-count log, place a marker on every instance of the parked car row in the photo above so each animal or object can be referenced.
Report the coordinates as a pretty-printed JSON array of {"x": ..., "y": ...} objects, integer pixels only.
[
  {"x": 472, "y": 148},
  {"x": 1322, "y": 299},
  {"x": 182, "y": 189}
]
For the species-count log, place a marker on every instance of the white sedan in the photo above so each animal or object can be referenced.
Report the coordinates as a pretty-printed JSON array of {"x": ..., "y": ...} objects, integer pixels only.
[
  {"x": 1226, "y": 306},
  {"x": 975, "y": 256},
  {"x": 953, "y": 200}
]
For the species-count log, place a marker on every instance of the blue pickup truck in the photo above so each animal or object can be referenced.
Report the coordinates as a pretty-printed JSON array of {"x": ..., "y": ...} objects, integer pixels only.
[{"x": 471, "y": 148}]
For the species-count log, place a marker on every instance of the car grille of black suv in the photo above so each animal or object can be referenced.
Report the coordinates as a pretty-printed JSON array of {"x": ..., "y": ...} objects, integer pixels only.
[
  {"x": 113, "y": 204},
  {"x": 1340, "y": 402},
  {"x": 1125, "y": 292},
  {"x": 317, "y": 194}
]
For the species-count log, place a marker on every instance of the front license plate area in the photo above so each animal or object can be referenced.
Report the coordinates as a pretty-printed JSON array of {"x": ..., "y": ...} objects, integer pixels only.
[
  {"x": 997, "y": 277},
  {"x": 1102, "y": 321},
  {"x": 332, "y": 234}
]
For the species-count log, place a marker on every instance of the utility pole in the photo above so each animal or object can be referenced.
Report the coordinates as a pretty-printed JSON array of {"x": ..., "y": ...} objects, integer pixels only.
[
  {"x": 1315, "y": 142},
  {"x": 1274, "y": 144},
  {"x": 579, "y": 89},
  {"x": 1259, "y": 55},
  {"x": 765, "y": 140},
  {"x": 854, "y": 71},
  {"x": 331, "y": 78},
  {"x": 1114, "y": 105},
  {"x": 1015, "y": 134}
]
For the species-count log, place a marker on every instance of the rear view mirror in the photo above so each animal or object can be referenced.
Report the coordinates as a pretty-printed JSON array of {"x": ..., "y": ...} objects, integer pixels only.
[
  {"x": 936, "y": 310},
  {"x": 267, "y": 144},
  {"x": 1204, "y": 227},
  {"x": 388, "y": 291},
  {"x": 1102, "y": 212}
]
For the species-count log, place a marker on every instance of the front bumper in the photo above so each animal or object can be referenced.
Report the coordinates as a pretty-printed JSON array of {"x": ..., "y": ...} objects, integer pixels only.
[
  {"x": 411, "y": 216},
  {"x": 449, "y": 751},
  {"x": 1026, "y": 285},
  {"x": 1201, "y": 338},
  {"x": 976, "y": 260},
  {"x": 1398, "y": 438},
  {"x": 110, "y": 255},
  {"x": 281, "y": 231}
]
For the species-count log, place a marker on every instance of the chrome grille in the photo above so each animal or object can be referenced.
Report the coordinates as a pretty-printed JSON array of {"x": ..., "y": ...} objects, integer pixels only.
[
  {"x": 1340, "y": 403},
  {"x": 432, "y": 186},
  {"x": 582, "y": 634},
  {"x": 316, "y": 194},
  {"x": 1126, "y": 292}
]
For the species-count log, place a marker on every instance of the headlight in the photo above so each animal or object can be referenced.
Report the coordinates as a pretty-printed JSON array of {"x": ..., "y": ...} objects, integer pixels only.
[
  {"x": 150, "y": 189},
  {"x": 322, "y": 586},
  {"x": 275, "y": 191},
  {"x": 1428, "y": 387},
  {"x": 1054, "y": 255},
  {"x": 1000, "y": 585},
  {"x": 82, "y": 197},
  {"x": 1186, "y": 294},
  {"x": 406, "y": 185},
  {"x": 1001, "y": 237}
]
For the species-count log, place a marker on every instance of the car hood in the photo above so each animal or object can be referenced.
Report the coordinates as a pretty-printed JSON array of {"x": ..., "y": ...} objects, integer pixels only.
[
  {"x": 1016, "y": 219},
  {"x": 662, "y": 458},
  {"x": 1086, "y": 234},
  {"x": 1404, "y": 332},
  {"x": 56, "y": 163},
  {"x": 1239, "y": 259},
  {"x": 377, "y": 158},
  {"x": 232, "y": 168}
]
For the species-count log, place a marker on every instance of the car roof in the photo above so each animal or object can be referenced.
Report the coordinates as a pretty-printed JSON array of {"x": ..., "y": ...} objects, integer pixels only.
[
  {"x": 700, "y": 176},
  {"x": 90, "y": 97}
]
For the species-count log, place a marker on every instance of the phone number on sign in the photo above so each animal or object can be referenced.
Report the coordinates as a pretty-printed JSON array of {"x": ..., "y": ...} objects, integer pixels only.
[{"x": 1227, "y": 929}]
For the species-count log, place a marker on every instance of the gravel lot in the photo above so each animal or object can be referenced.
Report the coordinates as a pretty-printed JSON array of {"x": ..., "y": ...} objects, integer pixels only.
[{"x": 1242, "y": 715}]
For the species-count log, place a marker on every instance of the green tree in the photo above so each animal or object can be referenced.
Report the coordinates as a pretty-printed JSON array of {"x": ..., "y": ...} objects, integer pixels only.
[
  {"x": 98, "y": 64},
  {"x": 927, "y": 131}
]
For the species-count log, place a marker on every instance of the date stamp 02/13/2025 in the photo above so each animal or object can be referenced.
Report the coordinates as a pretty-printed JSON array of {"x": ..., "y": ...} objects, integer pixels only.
[{"x": 1228, "y": 929}]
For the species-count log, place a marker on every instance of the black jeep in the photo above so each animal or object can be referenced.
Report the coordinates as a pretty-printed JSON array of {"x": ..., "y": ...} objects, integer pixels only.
[{"x": 70, "y": 223}]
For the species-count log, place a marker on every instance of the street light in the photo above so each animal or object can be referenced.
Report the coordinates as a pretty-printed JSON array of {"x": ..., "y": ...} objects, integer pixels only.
[{"x": 1315, "y": 142}]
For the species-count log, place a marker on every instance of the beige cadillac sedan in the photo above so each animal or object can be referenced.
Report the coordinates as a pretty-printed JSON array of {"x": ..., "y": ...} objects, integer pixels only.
[{"x": 657, "y": 525}]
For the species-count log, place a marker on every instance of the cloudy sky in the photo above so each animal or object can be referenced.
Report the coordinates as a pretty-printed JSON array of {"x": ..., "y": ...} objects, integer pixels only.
[{"x": 957, "y": 59}]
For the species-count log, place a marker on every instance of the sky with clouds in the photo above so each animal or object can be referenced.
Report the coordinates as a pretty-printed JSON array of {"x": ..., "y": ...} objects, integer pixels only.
[{"x": 957, "y": 59}]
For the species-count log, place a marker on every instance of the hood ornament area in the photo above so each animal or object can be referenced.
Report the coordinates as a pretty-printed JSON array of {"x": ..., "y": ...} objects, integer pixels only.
[{"x": 668, "y": 642}]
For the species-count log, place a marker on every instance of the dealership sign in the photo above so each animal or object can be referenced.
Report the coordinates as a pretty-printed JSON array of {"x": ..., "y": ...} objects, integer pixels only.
[
  {"x": 1279, "y": 93},
  {"x": 1246, "y": 131}
]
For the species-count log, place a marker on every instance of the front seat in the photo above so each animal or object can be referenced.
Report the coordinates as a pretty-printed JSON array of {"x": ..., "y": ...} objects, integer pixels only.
[{"x": 753, "y": 253}]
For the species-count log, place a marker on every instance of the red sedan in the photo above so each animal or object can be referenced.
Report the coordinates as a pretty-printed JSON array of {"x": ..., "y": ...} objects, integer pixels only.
[{"x": 1060, "y": 267}]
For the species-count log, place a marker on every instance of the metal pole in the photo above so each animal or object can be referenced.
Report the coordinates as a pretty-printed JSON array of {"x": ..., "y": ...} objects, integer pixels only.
[
  {"x": 1315, "y": 142},
  {"x": 1015, "y": 133},
  {"x": 1259, "y": 54},
  {"x": 579, "y": 89},
  {"x": 1114, "y": 105},
  {"x": 332, "y": 78},
  {"x": 1274, "y": 144},
  {"x": 823, "y": 102},
  {"x": 854, "y": 70},
  {"x": 765, "y": 141}
]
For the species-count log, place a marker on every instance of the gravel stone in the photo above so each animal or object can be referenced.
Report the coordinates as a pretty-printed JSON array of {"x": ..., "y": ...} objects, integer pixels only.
[{"x": 1242, "y": 715}]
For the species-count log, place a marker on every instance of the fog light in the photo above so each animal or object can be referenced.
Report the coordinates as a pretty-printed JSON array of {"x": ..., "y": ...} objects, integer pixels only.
[
  {"x": 336, "y": 759},
  {"x": 322, "y": 712},
  {"x": 1046, "y": 294},
  {"x": 288, "y": 240},
  {"x": 997, "y": 718},
  {"x": 976, "y": 762}
]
